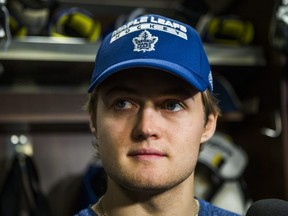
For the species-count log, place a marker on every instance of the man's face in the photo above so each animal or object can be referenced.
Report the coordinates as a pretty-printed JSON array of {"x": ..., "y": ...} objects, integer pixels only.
[{"x": 149, "y": 125}]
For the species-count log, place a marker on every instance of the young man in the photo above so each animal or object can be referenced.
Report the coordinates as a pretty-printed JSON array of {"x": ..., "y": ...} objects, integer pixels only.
[{"x": 151, "y": 108}]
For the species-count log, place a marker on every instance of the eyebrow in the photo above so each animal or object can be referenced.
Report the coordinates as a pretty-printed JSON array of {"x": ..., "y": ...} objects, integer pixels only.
[{"x": 167, "y": 92}]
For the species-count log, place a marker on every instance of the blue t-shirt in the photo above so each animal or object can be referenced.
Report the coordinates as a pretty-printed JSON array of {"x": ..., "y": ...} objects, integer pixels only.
[{"x": 206, "y": 209}]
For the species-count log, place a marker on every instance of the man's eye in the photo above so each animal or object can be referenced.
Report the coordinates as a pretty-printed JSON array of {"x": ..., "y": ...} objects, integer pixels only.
[
  {"x": 173, "y": 106},
  {"x": 122, "y": 104}
]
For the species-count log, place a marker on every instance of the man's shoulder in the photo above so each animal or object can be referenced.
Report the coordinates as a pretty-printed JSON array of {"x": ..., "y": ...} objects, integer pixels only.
[
  {"x": 86, "y": 212},
  {"x": 207, "y": 209}
]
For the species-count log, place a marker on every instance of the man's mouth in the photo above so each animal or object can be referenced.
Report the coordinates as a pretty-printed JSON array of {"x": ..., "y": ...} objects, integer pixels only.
[{"x": 147, "y": 154}]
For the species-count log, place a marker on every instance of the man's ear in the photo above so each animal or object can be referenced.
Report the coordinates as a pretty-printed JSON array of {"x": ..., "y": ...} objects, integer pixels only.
[
  {"x": 209, "y": 128},
  {"x": 93, "y": 127}
]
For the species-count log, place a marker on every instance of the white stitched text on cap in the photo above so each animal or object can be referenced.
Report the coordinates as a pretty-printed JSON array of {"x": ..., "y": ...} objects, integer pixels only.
[{"x": 158, "y": 24}]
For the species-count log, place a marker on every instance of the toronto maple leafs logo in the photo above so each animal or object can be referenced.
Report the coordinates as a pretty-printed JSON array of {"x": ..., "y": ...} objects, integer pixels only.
[{"x": 145, "y": 42}]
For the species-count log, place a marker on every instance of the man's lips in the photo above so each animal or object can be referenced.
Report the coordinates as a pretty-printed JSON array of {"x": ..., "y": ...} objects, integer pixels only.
[{"x": 146, "y": 153}]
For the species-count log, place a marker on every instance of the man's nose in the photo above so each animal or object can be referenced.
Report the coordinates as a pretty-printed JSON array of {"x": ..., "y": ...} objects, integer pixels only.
[{"x": 148, "y": 124}]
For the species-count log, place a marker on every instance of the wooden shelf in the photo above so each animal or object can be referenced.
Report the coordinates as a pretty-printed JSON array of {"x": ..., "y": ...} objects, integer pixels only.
[
  {"x": 35, "y": 48},
  {"x": 43, "y": 108}
]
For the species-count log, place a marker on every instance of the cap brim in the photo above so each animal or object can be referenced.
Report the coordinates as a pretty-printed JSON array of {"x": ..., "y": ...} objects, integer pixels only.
[{"x": 189, "y": 76}]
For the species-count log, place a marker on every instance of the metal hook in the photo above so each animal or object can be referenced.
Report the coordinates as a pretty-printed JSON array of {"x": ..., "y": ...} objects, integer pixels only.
[{"x": 273, "y": 133}]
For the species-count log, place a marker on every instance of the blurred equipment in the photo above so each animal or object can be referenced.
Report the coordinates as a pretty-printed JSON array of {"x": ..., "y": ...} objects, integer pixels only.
[
  {"x": 33, "y": 14},
  {"x": 5, "y": 35},
  {"x": 21, "y": 192},
  {"x": 215, "y": 23},
  {"x": 17, "y": 28},
  {"x": 219, "y": 6},
  {"x": 227, "y": 30},
  {"x": 279, "y": 27},
  {"x": 75, "y": 22},
  {"x": 193, "y": 10},
  {"x": 125, "y": 18},
  {"x": 73, "y": 193},
  {"x": 229, "y": 101},
  {"x": 218, "y": 175}
]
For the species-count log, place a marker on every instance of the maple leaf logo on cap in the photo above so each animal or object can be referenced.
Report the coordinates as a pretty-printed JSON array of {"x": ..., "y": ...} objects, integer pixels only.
[{"x": 145, "y": 42}]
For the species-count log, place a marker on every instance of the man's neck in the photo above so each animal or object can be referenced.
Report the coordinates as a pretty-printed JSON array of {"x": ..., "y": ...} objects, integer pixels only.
[{"x": 176, "y": 201}]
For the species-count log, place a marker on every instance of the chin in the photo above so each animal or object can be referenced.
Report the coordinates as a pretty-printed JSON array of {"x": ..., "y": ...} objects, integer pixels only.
[
  {"x": 150, "y": 185},
  {"x": 146, "y": 188}
]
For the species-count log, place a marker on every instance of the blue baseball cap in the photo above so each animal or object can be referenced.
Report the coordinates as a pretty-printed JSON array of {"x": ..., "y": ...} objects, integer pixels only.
[{"x": 154, "y": 41}]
